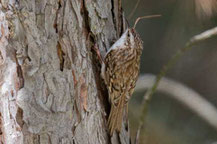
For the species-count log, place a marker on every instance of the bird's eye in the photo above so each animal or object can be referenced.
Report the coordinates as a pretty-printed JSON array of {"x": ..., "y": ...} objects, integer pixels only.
[{"x": 128, "y": 34}]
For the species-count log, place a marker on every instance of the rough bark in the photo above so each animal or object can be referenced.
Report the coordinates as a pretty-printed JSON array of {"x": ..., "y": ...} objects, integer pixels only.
[{"x": 50, "y": 85}]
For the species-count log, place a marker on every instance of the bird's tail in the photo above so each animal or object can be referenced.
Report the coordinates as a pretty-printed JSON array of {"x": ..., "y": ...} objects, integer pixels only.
[{"x": 116, "y": 117}]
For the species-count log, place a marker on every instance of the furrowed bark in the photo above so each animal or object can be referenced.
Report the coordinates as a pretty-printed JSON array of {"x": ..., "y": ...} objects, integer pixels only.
[{"x": 50, "y": 86}]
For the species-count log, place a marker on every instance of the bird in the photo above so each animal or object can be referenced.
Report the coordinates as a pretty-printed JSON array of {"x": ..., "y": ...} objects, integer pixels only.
[{"x": 120, "y": 70}]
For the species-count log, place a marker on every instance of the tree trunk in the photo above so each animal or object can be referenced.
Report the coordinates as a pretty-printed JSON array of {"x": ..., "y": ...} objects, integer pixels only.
[{"x": 50, "y": 86}]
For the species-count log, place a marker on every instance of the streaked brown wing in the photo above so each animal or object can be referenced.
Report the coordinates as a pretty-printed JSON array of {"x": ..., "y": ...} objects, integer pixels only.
[{"x": 121, "y": 72}]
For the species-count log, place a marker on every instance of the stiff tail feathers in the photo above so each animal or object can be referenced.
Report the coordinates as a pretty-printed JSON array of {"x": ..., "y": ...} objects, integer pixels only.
[{"x": 116, "y": 117}]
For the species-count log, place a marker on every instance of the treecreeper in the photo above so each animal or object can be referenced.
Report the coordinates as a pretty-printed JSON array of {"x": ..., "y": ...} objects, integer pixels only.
[{"x": 120, "y": 70}]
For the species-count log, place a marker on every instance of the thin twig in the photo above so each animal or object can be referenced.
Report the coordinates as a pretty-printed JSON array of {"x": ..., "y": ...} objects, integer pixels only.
[
  {"x": 134, "y": 9},
  {"x": 198, "y": 38},
  {"x": 137, "y": 135},
  {"x": 180, "y": 92}
]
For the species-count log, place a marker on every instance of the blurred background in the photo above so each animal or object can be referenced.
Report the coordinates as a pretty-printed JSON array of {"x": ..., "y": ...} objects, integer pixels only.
[{"x": 169, "y": 121}]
